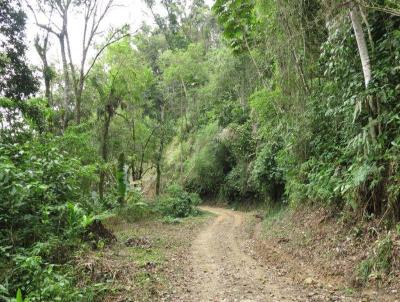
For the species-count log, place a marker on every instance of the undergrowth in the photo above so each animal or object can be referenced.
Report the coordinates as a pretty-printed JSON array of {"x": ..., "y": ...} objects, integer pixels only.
[
  {"x": 177, "y": 203},
  {"x": 377, "y": 265}
]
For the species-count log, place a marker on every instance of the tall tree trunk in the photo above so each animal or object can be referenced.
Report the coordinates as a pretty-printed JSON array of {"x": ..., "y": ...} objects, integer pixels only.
[
  {"x": 361, "y": 42},
  {"x": 66, "y": 95},
  {"x": 78, "y": 98},
  {"x": 78, "y": 108},
  {"x": 104, "y": 153},
  {"x": 75, "y": 84},
  {"x": 160, "y": 153},
  {"x": 355, "y": 17},
  {"x": 158, "y": 167},
  {"x": 143, "y": 153},
  {"x": 47, "y": 91},
  {"x": 47, "y": 80},
  {"x": 46, "y": 72},
  {"x": 374, "y": 203}
]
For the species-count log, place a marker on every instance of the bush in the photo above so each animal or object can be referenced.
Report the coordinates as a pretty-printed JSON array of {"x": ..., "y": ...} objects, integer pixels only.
[
  {"x": 206, "y": 165},
  {"x": 379, "y": 263},
  {"x": 43, "y": 281},
  {"x": 266, "y": 175},
  {"x": 38, "y": 182},
  {"x": 235, "y": 187},
  {"x": 44, "y": 192},
  {"x": 136, "y": 207},
  {"x": 178, "y": 203}
]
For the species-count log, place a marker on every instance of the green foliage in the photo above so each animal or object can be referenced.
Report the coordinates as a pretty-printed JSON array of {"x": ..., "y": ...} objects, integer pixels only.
[
  {"x": 290, "y": 118},
  {"x": 78, "y": 142},
  {"x": 236, "y": 186},
  {"x": 35, "y": 112},
  {"x": 136, "y": 207},
  {"x": 37, "y": 181},
  {"x": 44, "y": 193},
  {"x": 325, "y": 152},
  {"x": 266, "y": 174},
  {"x": 238, "y": 21},
  {"x": 121, "y": 178},
  {"x": 19, "y": 296},
  {"x": 206, "y": 165},
  {"x": 16, "y": 78},
  {"x": 377, "y": 264},
  {"x": 44, "y": 281},
  {"x": 177, "y": 203}
]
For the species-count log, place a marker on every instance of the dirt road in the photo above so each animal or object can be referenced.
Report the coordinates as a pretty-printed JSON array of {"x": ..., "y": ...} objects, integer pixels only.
[{"x": 223, "y": 268}]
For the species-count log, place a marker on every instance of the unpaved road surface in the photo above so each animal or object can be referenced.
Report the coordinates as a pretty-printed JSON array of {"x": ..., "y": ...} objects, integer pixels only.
[{"x": 223, "y": 267}]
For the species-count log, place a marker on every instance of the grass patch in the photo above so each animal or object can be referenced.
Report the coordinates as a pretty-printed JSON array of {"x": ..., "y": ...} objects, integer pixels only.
[
  {"x": 143, "y": 279},
  {"x": 274, "y": 214},
  {"x": 348, "y": 290},
  {"x": 138, "y": 261},
  {"x": 258, "y": 206},
  {"x": 375, "y": 266},
  {"x": 145, "y": 256}
]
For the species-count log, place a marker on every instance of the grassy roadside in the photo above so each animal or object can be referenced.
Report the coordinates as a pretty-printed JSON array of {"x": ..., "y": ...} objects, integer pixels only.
[
  {"x": 347, "y": 257},
  {"x": 145, "y": 260}
]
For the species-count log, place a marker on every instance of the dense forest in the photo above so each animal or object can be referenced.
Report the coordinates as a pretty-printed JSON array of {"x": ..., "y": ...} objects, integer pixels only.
[{"x": 280, "y": 103}]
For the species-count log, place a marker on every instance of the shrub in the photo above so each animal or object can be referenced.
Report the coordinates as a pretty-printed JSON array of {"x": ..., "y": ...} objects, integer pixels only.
[
  {"x": 43, "y": 281},
  {"x": 235, "y": 186},
  {"x": 207, "y": 163},
  {"x": 38, "y": 183},
  {"x": 178, "y": 203},
  {"x": 379, "y": 263},
  {"x": 43, "y": 215},
  {"x": 266, "y": 175},
  {"x": 136, "y": 207}
]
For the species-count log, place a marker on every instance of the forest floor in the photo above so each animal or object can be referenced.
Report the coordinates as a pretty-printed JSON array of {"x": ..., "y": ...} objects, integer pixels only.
[
  {"x": 228, "y": 256},
  {"x": 142, "y": 263}
]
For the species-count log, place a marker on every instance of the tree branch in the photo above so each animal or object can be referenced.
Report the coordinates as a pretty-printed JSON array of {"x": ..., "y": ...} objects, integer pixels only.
[{"x": 102, "y": 49}]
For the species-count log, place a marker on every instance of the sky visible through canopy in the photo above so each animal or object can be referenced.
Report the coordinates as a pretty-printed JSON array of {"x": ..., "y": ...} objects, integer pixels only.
[{"x": 131, "y": 12}]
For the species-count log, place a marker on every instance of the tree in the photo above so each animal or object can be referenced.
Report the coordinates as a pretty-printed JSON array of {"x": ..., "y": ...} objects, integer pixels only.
[
  {"x": 59, "y": 28},
  {"x": 94, "y": 13},
  {"x": 120, "y": 79},
  {"x": 183, "y": 71},
  {"x": 365, "y": 60},
  {"x": 170, "y": 25},
  {"x": 47, "y": 71},
  {"x": 16, "y": 78},
  {"x": 361, "y": 42},
  {"x": 151, "y": 45}
]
